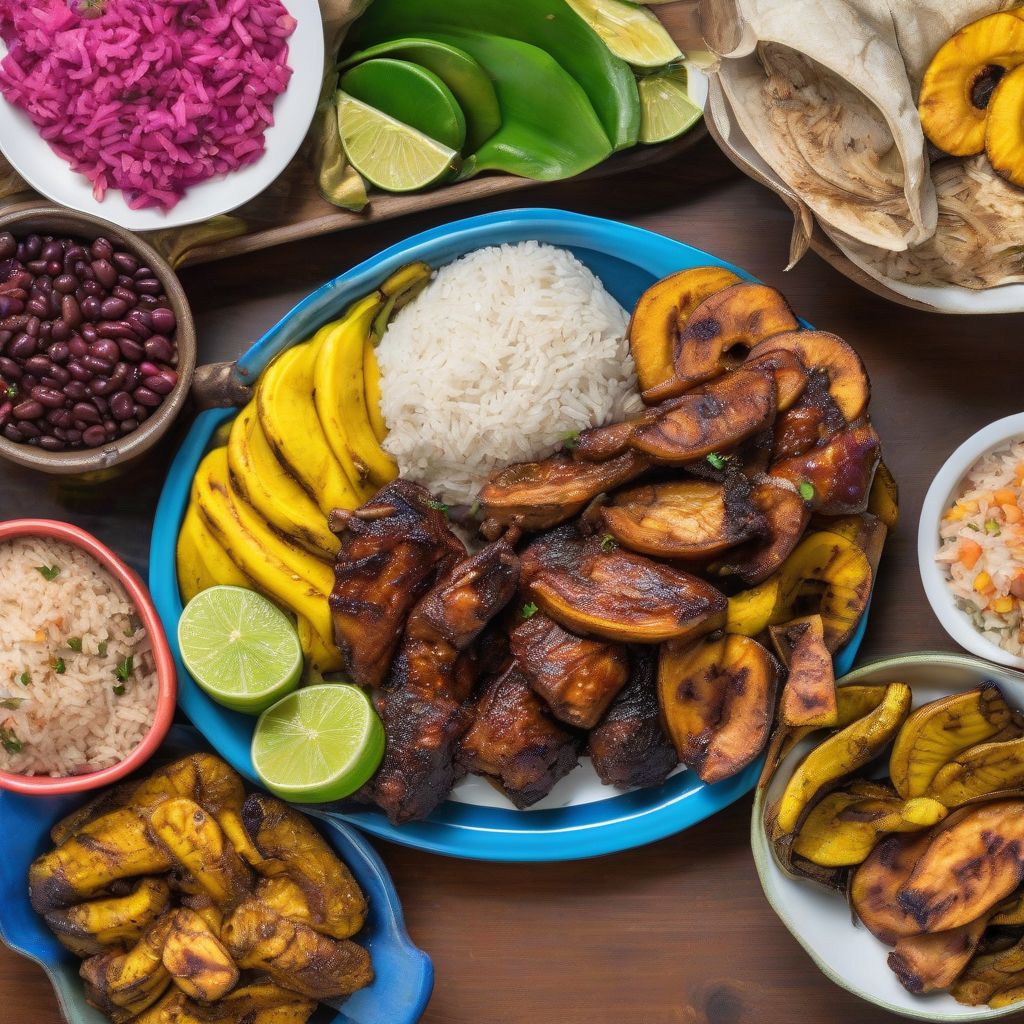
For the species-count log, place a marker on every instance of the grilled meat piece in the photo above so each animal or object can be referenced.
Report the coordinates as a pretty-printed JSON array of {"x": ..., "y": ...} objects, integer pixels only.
[
  {"x": 515, "y": 744},
  {"x": 421, "y": 703},
  {"x": 813, "y": 420},
  {"x": 577, "y": 678},
  {"x": 630, "y": 747},
  {"x": 392, "y": 549}
]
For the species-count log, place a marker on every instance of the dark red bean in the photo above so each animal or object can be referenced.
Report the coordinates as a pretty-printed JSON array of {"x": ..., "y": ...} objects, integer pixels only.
[
  {"x": 32, "y": 326},
  {"x": 38, "y": 365},
  {"x": 58, "y": 375},
  {"x": 10, "y": 305},
  {"x": 5, "y": 411},
  {"x": 127, "y": 426},
  {"x": 8, "y": 245},
  {"x": 28, "y": 430},
  {"x": 75, "y": 390},
  {"x": 101, "y": 249},
  {"x": 125, "y": 282},
  {"x": 78, "y": 346},
  {"x": 54, "y": 267},
  {"x": 149, "y": 286},
  {"x": 90, "y": 307},
  {"x": 102, "y": 386},
  {"x": 150, "y": 399},
  {"x": 101, "y": 403},
  {"x": 52, "y": 251},
  {"x": 164, "y": 321},
  {"x": 159, "y": 349},
  {"x": 125, "y": 262},
  {"x": 33, "y": 246},
  {"x": 60, "y": 418},
  {"x": 13, "y": 433},
  {"x": 9, "y": 369},
  {"x": 162, "y": 383},
  {"x": 14, "y": 323},
  {"x": 93, "y": 436},
  {"x": 121, "y": 405},
  {"x": 28, "y": 382},
  {"x": 110, "y": 426},
  {"x": 65, "y": 284},
  {"x": 22, "y": 346},
  {"x": 70, "y": 311},
  {"x": 125, "y": 292},
  {"x": 89, "y": 333},
  {"x": 38, "y": 305},
  {"x": 150, "y": 302},
  {"x": 35, "y": 266},
  {"x": 113, "y": 308},
  {"x": 133, "y": 378},
  {"x": 115, "y": 329},
  {"x": 52, "y": 444},
  {"x": 105, "y": 348},
  {"x": 79, "y": 372},
  {"x": 29, "y": 409},
  {"x": 149, "y": 369},
  {"x": 131, "y": 349},
  {"x": 72, "y": 436},
  {"x": 87, "y": 412},
  {"x": 97, "y": 365},
  {"x": 60, "y": 330},
  {"x": 141, "y": 412},
  {"x": 105, "y": 273},
  {"x": 51, "y": 398}
]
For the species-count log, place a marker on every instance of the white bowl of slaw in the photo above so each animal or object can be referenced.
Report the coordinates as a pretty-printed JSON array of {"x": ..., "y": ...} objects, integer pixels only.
[{"x": 945, "y": 488}]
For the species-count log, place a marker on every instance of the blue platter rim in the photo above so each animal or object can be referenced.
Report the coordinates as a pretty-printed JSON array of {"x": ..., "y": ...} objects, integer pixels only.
[{"x": 624, "y": 820}]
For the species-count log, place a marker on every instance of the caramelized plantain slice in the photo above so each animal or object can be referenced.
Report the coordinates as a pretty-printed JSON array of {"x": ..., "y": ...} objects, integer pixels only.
[
  {"x": 968, "y": 868},
  {"x": 978, "y": 771},
  {"x": 867, "y": 531},
  {"x": 940, "y": 730},
  {"x": 788, "y": 373},
  {"x": 884, "y": 497},
  {"x": 196, "y": 959},
  {"x": 750, "y": 612},
  {"x": 716, "y": 702},
  {"x": 685, "y": 519},
  {"x": 538, "y": 495},
  {"x": 725, "y": 327},
  {"x": 594, "y": 588},
  {"x": 877, "y": 881},
  {"x": 810, "y": 422},
  {"x": 809, "y": 693},
  {"x": 660, "y": 313},
  {"x": 932, "y": 962},
  {"x": 989, "y": 973}
]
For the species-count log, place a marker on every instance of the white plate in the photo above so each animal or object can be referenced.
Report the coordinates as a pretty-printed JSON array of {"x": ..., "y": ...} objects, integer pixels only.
[
  {"x": 821, "y": 921},
  {"x": 48, "y": 174}
]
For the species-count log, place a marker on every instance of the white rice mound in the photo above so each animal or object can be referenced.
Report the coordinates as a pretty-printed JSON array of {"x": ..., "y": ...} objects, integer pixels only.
[
  {"x": 974, "y": 516},
  {"x": 506, "y": 352},
  {"x": 71, "y": 722}
]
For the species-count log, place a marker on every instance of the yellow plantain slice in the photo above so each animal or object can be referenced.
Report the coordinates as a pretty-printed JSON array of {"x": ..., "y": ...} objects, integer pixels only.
[
  {"x": 990, "y": 973},
  {"x": 809, "y": 693},
  {"x": 986, "y": 768},
  {"x": 876, "y": 882},
  {"x": 931, "y": 963}
]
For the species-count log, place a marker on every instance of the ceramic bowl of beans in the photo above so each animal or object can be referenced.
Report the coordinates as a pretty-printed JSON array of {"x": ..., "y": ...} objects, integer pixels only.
[{"x": 97, "y": 344}]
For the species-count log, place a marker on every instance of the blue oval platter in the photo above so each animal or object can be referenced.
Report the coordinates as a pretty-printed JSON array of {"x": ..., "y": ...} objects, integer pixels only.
[{"x": 579, "y": 819}]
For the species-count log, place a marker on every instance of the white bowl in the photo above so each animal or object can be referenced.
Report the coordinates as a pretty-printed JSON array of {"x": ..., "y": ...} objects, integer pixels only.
[
  {"x": 944, "y": 489},
  {"x": 821, "y": 921},
  {"x": 51, "y": 176}
]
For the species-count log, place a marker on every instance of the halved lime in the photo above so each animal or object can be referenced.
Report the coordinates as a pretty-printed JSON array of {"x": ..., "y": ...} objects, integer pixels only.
[
  {"x": 666, "y": 109},
  {"x": 240, "y": 648},
  {"x": 388, "y": 153},
  {"x": 632, "y": 33},
  {"x": 318, "y": 744}
]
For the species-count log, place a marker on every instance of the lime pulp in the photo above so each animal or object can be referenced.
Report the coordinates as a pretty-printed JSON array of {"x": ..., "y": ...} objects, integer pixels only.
[
  {"x": 666, "y": 109},
  {"x": 633, "y": 33}
]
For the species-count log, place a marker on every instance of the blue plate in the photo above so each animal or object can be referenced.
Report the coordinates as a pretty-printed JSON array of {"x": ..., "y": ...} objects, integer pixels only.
[
  {"x": 404, "y": 974},
  {"x": 628, "y": 260}
]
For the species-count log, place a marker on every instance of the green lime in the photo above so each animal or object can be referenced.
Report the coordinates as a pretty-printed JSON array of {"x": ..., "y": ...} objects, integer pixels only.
[
  {"x": 389, "y": 154},
  {"x": 632, "y": 33},
  {"x": 666, "y": 109},
  {"x": 240, "y": 648},
  {"x": 318, "y": 744},
  {"x": 411, "y": 94}
]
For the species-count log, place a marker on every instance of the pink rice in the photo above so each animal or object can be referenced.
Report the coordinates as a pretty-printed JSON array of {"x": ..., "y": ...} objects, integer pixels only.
[{"x": 147, "y": 96}]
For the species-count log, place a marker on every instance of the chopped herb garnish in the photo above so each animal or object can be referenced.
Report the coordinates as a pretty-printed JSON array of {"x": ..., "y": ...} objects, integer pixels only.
[
  {"x": 75, "y": 643},
  {"x": 12, "y": 703},
  {"x": 806, "y": 491},
  {"x": 48, "y": 572},
  {"x": 9, "y": 740},
  {"x": 59, "y": 667},
  {"x": 102, "y": 649},
  {"x": 12, "y": 391},
  {"x": 24, "y": 679},
  {"x": 133, "y": 626},
  {"x": 529, "y": 610},
  {"x": 439, "y": 505},
  {"x": 125, "y": 668},
  {"x": 974, "y": 526},
  {"x": 474, "y": 509},
  {"x": 118, "y": 690},
  {"x": 992, "y": 528},
  {"x": 571, "y": 440},
  {"x": 608, "y": 543},
  {"x": 716, "y": 460}
]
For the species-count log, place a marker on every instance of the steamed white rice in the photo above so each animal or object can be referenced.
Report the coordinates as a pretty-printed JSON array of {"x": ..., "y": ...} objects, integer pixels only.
[
  {"x": 506, "y": 352},
  {"x": 69, "y": 722}
]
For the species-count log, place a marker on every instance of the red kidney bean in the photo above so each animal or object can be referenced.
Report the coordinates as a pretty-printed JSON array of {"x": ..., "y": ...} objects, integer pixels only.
[
  {"x": 33, "y": 246},
  {"x": 28, "y": 430},
  {"x": 93, "y": 436},
  {"x": 14, "y": 323},
  {"x": 75, "y": 390},
  {"x": 124, "y": 281},
  {"x": 8, "y": 245},
  {"x": 37, "y": 365},
  {"x": 13, "y": 433},
  {"x": 163, "y": 320},
  {"x": 140, "y": 318},
  {"x": 73, "y": 436},
  {"x": 145, "y": 397},
  {"x": 149, "y": 369},
  {"x": 120, "y": 291},
  {"x": 115, "y": 329},
  {"x": 60, "y": 330},
  {"x": 78, "y": 346},
  {"x": 65, "y": 283},
  {"x": 87, "y": 412},
  {"x": 28, "y": 382},
  {"x": 127, "y": 426},
  {"x": 89, "y": 333},
  {"x": 29, "y": 409},
  {"x": 70, "y": 311},
  {"x": 38, "y": 305},
  {"x": 52, "y": 444},
  {"x": 113, "y": 308},
  {"x": 10, "y": 369},
  {"x": 54, "y": 267},
  {"x": 101, "y": 403},
  {"x": 32, "y": 326},
  {"x": 5, "y": 412},
  {"x": 149, "y": 286},
  {"x": 90, "y": 307},
  {"x": 35, "y": 266},
  {"x": 133, "y": 378},
  {"x": 101, "y": 249},
  {"x": 121, "y": 405},
  {"x": 141, "y": 412},
  {"x": 60, "y": 418},
  {"x": 48, "y": 397},
  {"x": 52, "y": 251},
  {"x": 59, "y": 375},
  {"x": 125, "y": 262},
  {"x": 22, "y": 346},
  {"x": 105, "y": 348},
  {"x": 131, "y": 349},
  {"x": 101, "y": 387},
  {"x": 97, "y": 365},
  {"x": 105, "y": 273},
  {"x": 92, "y": 289},
  {"x": 110, "y": 426},
  {"x": 162, "y": 383},
  {"x": 79, "y": 372},
  {"x": 10, "y": 305}
]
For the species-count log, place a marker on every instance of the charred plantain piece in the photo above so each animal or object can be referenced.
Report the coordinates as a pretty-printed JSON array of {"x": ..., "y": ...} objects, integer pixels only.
[
  {"x": 538, "y": 495},
  {"x": 837, "y": 474},
  {"x": 790, "y": 377},
  {"x": 976, "y": 772},
  {"x": 932, "y": 962},
  {"x": 294, "y": 955},
  {"x": 959, "y": 82},
  {"x": 884, "y": 497},
  {"x": 818, "y": 350},
  {"x": 714, "y": 418},
  {"x": 514, "y": 743},
  {"x": 750, "y": 612},
  {"x": 725, "y": 327},
  {"x": 108, "y": 800},
  {"x": 716, "y": 702},
  {"x": 91, "y": 927},
  {"x": 877, "y": 881},
  {"x": 968, "y": 868},
  {"x": 809, "y": 693},
  {"x": 660, "y": 314},
  {"x": 1004, "y": 130},
  {"x": 292, "y": 848},
  {"x": 576, "y": 677},
  {"x": 840, "y": 755},
  {"x": 264, "y": 1003},
  {"x": 593, "y": 587},
  {"x": 196, "y": 842},
  {"x": 196, "y": 959},
  {"x": 989, "y": 973},
  {"x": 392, "y": 548},
  {"x": 685, "y": 519},
  {"x": 940, "y": 730},
  {"x": 811, "y": 422},
  {"x": 866, "y": 531},
  {"x": 630, "y": 748}
]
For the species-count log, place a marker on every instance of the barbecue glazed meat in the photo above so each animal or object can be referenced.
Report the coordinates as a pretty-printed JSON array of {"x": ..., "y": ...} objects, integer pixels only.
[
  {"x": 421, "y": 703},
  {"x": 514, "y": 743},
  {"x": 577, "y": 678},
  {"x": 392, "y": 549},
  {"x": 630, "y": 747}
]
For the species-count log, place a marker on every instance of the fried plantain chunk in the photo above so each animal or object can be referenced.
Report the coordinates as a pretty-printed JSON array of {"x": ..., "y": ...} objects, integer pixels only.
[
  {"x": 329, "y": 898},
  {"x": 790, "y": 377},
  {"x": 592, "y": 587},
  {"x": 514, "y": 743},
  {"x": 977, "y": 771},
  {"x": 392, "y": 548},
  {"x": 577, "y": 678},
  {"x": 716, "y": 701},
  {"x": 538, "y": 495},
  {"x": 294, "y": 955},
  {"x": 630, "y": 747},
  {"x": 196, "y": 959},
  {"x": 931, "y": 963},
  {"x": 812, "y": 421},
  {"x": 990, "y": 973},
  {"x": 809, "y": 693},
  {"x": 876, "y": 882}
]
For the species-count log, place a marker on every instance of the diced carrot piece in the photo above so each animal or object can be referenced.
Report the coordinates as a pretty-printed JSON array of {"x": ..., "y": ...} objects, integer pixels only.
[
  {"x": 1013, "y": 513},
  {"x": 969, "y": 552},
  {"x": 955, "y": 514},
  {"x": 1018, "y": 471},
  {"x": 1005, "y": 496},
  {"x": 969, "y": 504},
  {"x": 983, "y": 582},
  {"x": 1002, "y": 605}
]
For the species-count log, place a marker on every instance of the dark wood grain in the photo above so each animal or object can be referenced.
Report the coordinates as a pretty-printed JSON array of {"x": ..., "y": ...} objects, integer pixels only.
[{"x": 677, "y": 933}]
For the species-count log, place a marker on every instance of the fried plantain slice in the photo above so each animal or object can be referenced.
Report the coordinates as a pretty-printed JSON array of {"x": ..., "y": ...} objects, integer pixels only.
[
  {"x": 809, "y": 692},
  {"x": 884, "y": 497},
  {"x": 196, "y": 959},
  {"x": 989, "y": 973},
  {"x": 716, "y": 702},
  {"x": 876, "y": 882},
  {"x": 977, "y": 771},
  {"x": 810, "y": 422},
  {"x": 968, "y": 868},
  {"x": 940, "y": 730},
  {"x": 932, "y": 962},
  {"x": 788, "y": 373},
  {"x": 594, "y": 588}
]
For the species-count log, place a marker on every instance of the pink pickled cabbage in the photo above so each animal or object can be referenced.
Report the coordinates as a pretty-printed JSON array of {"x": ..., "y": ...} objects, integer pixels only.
[{"x": 147, "y": 96}]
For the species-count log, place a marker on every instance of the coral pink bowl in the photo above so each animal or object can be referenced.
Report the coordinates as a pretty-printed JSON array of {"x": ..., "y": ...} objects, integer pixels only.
[{"x": 167, "y": 683}]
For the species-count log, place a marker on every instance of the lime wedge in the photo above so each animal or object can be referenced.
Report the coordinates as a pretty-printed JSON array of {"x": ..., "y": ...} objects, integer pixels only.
[
  {"x": 666, "y": 109},
  {"x": 240, "y": 648},
  {"x": 632, "y": 33},
  {"x": 387, "y": 152},
  {"x": 318, "y": 744}
]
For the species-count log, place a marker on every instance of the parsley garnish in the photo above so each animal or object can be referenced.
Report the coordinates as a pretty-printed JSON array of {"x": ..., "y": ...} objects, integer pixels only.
[
  {"x": 571, "y": 440},
  {"x": 992, "y": 528},
  {"x": 439, "y": 505},
  {"x": 529, "y": 610},
  {"x": 24, "y": 679},
  {"x": 125, "y": 668},
  {"x": 102, "y": 649},
  {"x": 10, "y": 741},
  {"x": 118, "y": 690},
  {"x": 12, "y": 703},
  {"x": 48, "y": 572},
  {"x": 608, "y": 543},
  {"x": 716, "y": 460},
  {"x": 59, "y": 667},
  {"x": 75, "y": 643},
  {"x": 12, "y": 391},
  {"x": 974, "y": 526},
  {"x": 806, "y": 490}
]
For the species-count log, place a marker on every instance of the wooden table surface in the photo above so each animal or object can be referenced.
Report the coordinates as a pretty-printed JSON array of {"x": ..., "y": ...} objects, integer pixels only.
[{"x": 678, "y": 931}]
